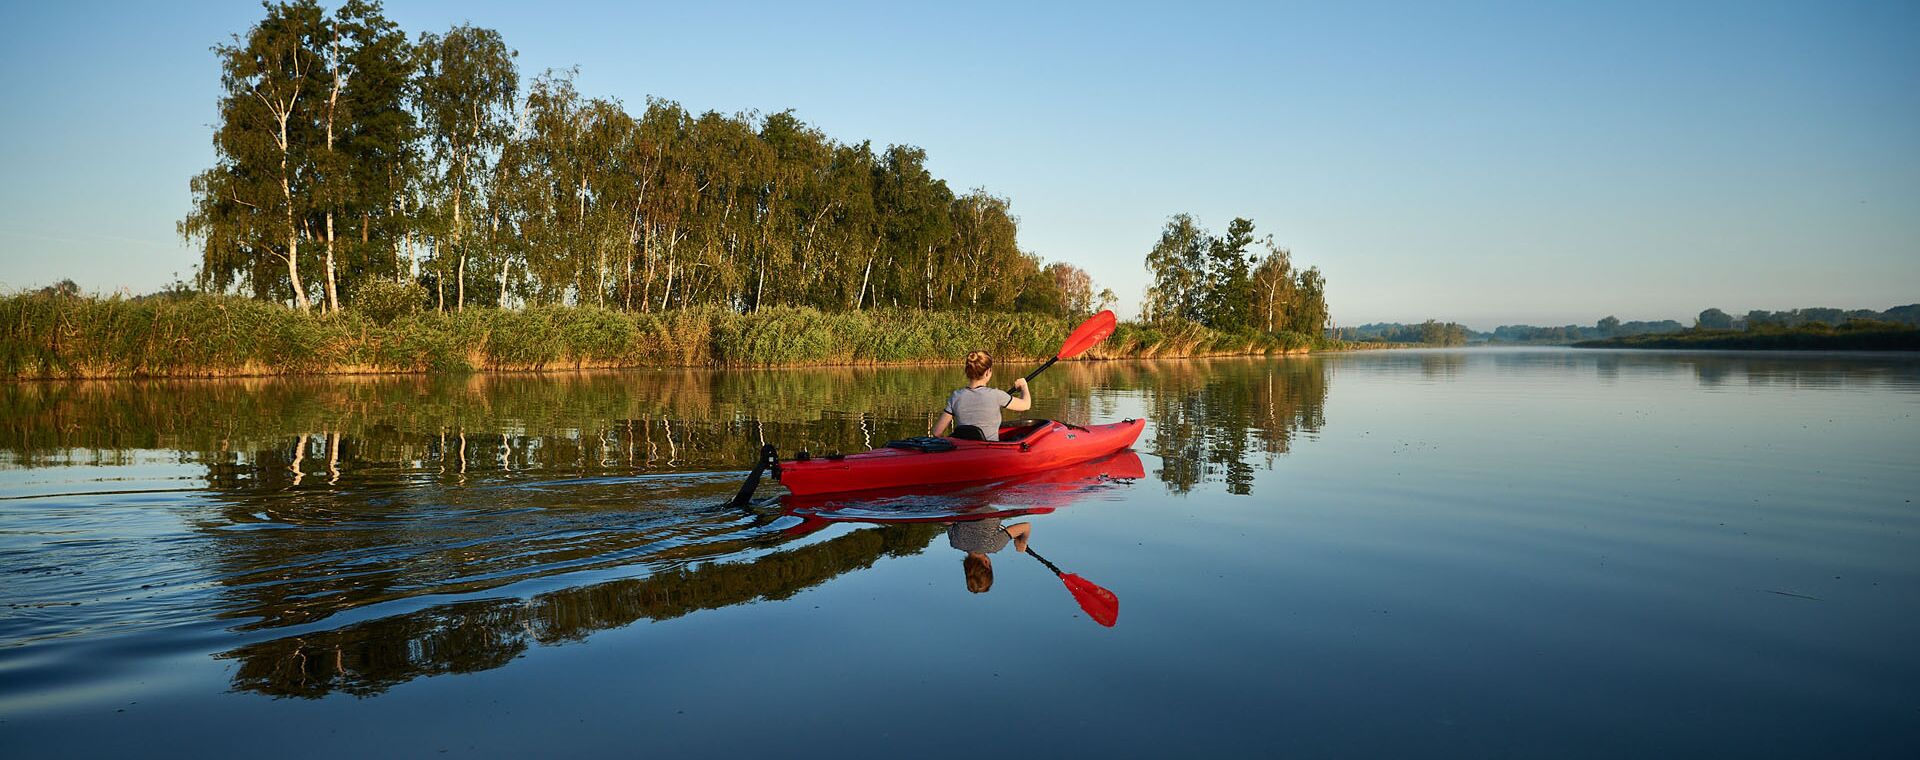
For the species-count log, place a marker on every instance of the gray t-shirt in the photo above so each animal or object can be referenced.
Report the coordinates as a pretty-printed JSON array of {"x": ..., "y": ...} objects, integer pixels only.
[
  {"x": 979, "y": 407},
  {"x": 983, "y": 536}
]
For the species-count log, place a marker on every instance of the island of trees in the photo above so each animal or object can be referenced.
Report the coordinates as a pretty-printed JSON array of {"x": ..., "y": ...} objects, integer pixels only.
[
  {"x": 1811, "y": 328},
  {"x": 381, "y": 202},
  {"x": 1814, "y": 329},
  {"x": 1435, "y": 333}
]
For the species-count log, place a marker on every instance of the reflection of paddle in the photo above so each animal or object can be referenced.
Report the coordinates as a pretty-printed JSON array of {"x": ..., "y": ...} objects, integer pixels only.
[
  {"x": 1099, "y": 603},
  {"x": 1087, "y": 335}
]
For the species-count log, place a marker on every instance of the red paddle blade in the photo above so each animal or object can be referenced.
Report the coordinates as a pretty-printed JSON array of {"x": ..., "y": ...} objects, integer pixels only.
[
  {"x": 1099, "y": 603},
  {"x": 1089, "y": 334}
]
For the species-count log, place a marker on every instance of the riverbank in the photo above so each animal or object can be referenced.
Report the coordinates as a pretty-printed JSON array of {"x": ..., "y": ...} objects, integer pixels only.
[
  {"x": 1849, "y": 337},
  {"x": 65, "y": 337}
]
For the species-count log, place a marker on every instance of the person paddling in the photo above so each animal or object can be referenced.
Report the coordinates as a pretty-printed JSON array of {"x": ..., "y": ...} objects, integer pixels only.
[{"x": 974, "y": 411}]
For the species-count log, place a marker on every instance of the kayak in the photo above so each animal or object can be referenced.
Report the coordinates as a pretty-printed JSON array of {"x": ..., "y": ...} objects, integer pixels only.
[
  {"x": 1025, "y": 447},
  {"x": 1037, "y": 494}
]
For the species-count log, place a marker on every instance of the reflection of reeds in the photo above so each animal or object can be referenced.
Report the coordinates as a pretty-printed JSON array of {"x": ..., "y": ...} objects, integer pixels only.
[
  {"x": 44, "y": 336},
  {"x": 666, "y": 419}
]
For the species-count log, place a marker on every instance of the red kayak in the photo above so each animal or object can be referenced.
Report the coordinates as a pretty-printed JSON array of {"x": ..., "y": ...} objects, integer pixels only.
[
  {"x": 1036, "y": 494},
  {"x": 1025, "y": 447}
]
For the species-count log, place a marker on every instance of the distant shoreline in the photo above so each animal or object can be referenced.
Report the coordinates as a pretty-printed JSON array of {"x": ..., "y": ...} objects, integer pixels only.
[{"x": 1873, "y": 338}]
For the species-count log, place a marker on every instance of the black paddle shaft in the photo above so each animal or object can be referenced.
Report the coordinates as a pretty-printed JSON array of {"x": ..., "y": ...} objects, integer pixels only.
[
  {"x": 1036, "y": 373},
  {"x": 1043, "y": 561},
  {"x": 768, "y": 458}
]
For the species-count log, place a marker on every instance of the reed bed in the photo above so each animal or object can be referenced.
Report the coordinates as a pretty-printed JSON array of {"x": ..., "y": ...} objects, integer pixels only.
[{"x": 58, "y": 336}]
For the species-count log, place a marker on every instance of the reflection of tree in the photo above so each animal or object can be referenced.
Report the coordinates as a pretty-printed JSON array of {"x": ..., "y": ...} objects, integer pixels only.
[
  {"x": 325, "y": 497},
  {"x": 370, "y": 657},
  {"x": 395, "y": 418},
  {"x": 1212, "y": 420},
  {"x": 1441, "y": 365}
]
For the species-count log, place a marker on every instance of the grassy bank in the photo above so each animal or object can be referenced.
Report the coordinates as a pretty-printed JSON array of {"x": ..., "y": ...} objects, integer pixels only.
[
  {"x": 54, "y": 336},
  {"x": 1853, "y": 336}
]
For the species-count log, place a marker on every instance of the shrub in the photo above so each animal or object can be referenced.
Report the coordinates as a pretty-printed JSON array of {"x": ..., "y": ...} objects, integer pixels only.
[{"x": 383, "y": 302}]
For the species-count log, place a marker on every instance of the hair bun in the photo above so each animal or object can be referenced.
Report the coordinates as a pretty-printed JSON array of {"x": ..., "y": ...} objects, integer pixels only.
[{"x": 978, "y": 362}]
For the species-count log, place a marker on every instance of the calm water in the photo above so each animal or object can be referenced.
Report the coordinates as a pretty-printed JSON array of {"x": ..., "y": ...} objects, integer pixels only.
[{"x": 1540, "y": 553}]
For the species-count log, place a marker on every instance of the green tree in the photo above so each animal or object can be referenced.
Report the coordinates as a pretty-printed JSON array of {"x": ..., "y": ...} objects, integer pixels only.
[
  {"x": 1274, "y": 288},
  {"x": 1178, "y": 264},
  {"x": 1229, "y": 284},
  {"x": 253, "y": 205},
  {"x": 1309, "y": 315},
  {"x": 1714, "y": 319},
  {"x": 379, "y": 140},
  {"x": 419, "y": 160},
  {"x": 914, "y": 209},
  {"x": 985, "y": 253},
  {"x": 363, "y": 129},
  {"x": 466, "y": 93},
  {"x": 1075, "y": 286}
]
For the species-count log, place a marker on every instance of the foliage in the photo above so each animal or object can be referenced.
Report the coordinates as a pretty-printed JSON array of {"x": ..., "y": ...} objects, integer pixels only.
[
  {"x": 1716, "y": 319},
  {"x": 48, "y": 335},
  {"x": 383, "y": 302},
  {"x": 465, "y": 94},
  {"x": 1215, "y": 282},
  {"x": 1854, "y": 335},
  {"x": 1430, "y": 332},
  {"x": 348, "y": 156},
  {"x": 1713, "y": 319}
]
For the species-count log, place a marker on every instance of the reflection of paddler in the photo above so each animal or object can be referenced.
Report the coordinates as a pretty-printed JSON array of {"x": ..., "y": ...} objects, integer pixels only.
[{"x": 979, "y": 538}]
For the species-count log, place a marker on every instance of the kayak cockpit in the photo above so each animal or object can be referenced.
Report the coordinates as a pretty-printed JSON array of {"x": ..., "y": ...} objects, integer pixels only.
[{"x": 1014, "y": 430}]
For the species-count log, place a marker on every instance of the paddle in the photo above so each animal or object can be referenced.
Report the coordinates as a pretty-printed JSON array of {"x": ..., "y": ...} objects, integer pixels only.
[
  {"x": 1099, "y": 603},
  {"x": 769, "y": 458},
  {"x": 1087, "y": 335}
]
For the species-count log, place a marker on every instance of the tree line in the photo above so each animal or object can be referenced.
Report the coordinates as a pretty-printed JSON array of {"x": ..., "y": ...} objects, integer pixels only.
[
  {"x": 1431, "y": 332},
  {"x": 351, "y": 158},
  {"x": 1434, "y": 332},
  {"x": 1715, "y": 319},
  {"x": 1222, "y": 282},
  {"x": 1607, "y": 327}
]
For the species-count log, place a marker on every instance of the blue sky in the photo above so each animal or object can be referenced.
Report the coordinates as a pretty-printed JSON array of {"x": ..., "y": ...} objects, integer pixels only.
[{"x": 1537, "y": 162}]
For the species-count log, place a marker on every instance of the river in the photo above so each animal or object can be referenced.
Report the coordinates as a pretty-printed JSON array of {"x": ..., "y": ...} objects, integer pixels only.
[{"x": 1449, "y": 552}]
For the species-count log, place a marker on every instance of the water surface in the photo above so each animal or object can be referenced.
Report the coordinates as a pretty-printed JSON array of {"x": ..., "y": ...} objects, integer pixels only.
[{"x": 1519, "y": 552}]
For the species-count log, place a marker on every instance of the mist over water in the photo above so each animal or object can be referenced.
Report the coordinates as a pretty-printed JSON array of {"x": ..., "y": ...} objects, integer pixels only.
[{"x": 1480, "y": 551}]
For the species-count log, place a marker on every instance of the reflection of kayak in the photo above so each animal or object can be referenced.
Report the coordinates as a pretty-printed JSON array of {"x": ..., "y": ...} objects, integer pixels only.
[
  {"x": 1025, "y": 447},
  {"x": 1035, "y": 494}
]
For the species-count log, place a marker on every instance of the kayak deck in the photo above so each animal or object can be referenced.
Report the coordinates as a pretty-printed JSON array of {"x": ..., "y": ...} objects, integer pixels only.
[{"x": 1029, "y": 447}]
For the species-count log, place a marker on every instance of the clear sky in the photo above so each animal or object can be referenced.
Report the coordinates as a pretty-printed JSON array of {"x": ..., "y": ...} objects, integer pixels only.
[{"x": 1489, "y": 163}]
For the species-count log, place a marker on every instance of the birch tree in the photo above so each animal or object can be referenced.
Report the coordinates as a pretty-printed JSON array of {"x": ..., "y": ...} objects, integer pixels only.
[
  {"x": 378, "y": 140},
  {"x": 1178, "y": 264},
  {"x": 465, "y": 96},
  {"x": 255, "y": 201}
]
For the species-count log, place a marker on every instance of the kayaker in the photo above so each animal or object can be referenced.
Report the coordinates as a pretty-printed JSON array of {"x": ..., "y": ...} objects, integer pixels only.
[
  {"x": 979, "y": 538},
  {"x": 978, "y": 405}
]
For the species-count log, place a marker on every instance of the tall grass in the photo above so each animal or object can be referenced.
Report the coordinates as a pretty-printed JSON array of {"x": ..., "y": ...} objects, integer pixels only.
[{"x": 54, "y": 336}]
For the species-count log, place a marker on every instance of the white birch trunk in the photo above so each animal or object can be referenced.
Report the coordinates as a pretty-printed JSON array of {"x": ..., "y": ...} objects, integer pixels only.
[
  {"x": 460, "y": 252},
  {"x": 333, "y": 293}
]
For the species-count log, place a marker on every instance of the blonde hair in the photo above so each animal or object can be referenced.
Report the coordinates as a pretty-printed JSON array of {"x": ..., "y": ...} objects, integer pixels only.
[
  {"x": 978, "y": 362},
  {"x": 979, "y": 573}
]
